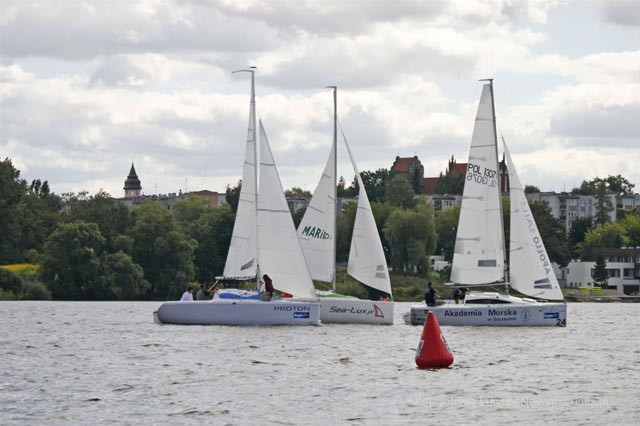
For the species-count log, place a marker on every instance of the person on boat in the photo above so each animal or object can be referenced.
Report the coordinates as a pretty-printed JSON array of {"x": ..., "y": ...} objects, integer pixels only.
[
  {"x": 457, "y": 295},
  {"x": 463, "y": 293},
  {"x": 267, "y": 294},
  {"x": 431, "y": 295},
  {"x": 187, "y": 296},
  {"x": 201, "y": 294},
  {"x": 213, "y": 289}
]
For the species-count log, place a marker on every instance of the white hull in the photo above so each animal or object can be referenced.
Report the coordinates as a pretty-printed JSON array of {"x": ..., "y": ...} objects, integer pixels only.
[
  {"x": 355, "y": 311},
  {"x": 239, "y": 312},
  {"x": 511, "y": 315}
]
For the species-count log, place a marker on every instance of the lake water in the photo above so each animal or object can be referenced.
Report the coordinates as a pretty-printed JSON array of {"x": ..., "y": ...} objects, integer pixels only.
[{"x": 100, "y": 363}]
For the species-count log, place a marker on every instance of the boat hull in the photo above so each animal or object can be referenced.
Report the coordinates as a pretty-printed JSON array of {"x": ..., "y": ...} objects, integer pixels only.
[
  {"x": 239, "y": 312},
  {"x": 355, "y": 311},
  {"x": 513, "y": 315}
]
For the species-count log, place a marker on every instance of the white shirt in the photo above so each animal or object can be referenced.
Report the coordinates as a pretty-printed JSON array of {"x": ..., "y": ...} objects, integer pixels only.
[{"x": 186, "y": 297}]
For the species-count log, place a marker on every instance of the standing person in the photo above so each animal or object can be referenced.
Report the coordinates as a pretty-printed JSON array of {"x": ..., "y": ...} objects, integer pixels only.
[
  {"x": 457, "y": 295},
  {"x": 187, "y": 296},
  {"x": 430, "y": 295},
  {"x": 213, "y": 289},
  {"x": 201, "y": 294},
  {"x": 267, "y": 294},
  {"x": 465, "y": 291}
]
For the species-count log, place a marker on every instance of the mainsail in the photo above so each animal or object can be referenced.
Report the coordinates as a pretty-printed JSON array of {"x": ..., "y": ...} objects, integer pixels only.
[
  {"x": 530, "y": 270},
  {"x": 317, "y": 228},
  {"x": 279, "y": 252},
  {"x": 479, "y": 249},
  {"x": 367, "y": 263},
  {"x": 241, "y": 258}
]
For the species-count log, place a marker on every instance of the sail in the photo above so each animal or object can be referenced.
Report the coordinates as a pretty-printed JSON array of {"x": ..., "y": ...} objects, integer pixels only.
[
  {"x": 317, "y": 228},
  {"x": 367, "y": 263},
  {"x": 530, "y": 267},
  {"x": 241, "y": 258},
  {"x": 479, "y": 248},
  {"x": 279, "y": 252}
]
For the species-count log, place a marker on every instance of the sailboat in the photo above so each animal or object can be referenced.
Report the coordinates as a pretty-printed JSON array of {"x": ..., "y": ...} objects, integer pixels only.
[
  {"x": 367, "y": 263},
  {"x": 479, "y": 253},
  {"x": 264, "y": 240}
]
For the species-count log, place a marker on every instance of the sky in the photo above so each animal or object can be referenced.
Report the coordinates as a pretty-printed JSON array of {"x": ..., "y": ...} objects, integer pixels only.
[{"x": 88, "y": 87}]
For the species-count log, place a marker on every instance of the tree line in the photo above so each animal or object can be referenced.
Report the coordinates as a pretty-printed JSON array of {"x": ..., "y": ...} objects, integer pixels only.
[{"x": 92, "y": 247}]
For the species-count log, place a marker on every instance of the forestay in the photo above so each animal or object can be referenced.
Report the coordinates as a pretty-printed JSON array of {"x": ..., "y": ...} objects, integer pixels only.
[
  {"x": 279, "y": 252},
  {"x": 530, "y": 268},
  {"x": 317, "y": 228},
  {"x": 241, "y": 258},
  {"x": 479, "y": 249},
  {"x": 367, "y": 263}
]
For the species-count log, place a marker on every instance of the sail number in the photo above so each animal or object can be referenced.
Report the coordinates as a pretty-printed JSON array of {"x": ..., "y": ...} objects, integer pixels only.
[{"x": 482, "y": 176}]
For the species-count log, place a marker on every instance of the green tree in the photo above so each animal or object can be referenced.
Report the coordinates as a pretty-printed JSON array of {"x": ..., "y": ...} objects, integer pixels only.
[
  {"x": 343, "y": 191},
  {"x": 631, "y": 226},
  {"x": 450, "y": 183},
  {"x": 232, "y": 195},
  {"x": 35, "y": 222},
  {"x": 416, "y": 180},
  {"x": 123, "y": 279},
  {"x": 446, "y": 222},
  {"x": 71, "y": 262},
  {"x": 552, "y": 233},
  {"x": 12, "y": 189},
  {"x": 9, "y": 283},
  {"x": 604, "y": 205},
  {"x": 608, "y": 235},
  {"x": 531, "y": 189},
  {"x": 398, "y": 192},
  {"x": 344, "y": 230},
  {"x": 619, "y": 185},
  {"x": 211, "y": 228},
  {"x": 412, "y": 237},
  {"x": 374, "y": 183},
  {"x": 297, "y": 216},
  {"x": 600, "y": 273},
  {"x": 297, "y": 192},
  {"x": 163, "y": 251},
  {"x": 112, "y": 217},
  {"x": 579, "y": 228}
]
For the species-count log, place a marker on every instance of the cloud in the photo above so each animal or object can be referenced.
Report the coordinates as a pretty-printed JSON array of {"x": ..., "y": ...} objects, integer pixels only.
[
  {"x": 81, "y": 30},
  {"x": 621, "y": 12}
]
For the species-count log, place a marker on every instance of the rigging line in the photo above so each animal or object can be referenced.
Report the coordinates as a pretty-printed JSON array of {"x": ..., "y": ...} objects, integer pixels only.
[{"x": 215, "y": 132}]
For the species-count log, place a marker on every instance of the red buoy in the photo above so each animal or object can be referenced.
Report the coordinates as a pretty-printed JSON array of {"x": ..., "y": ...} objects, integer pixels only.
[{"x": 433, "y": 351}]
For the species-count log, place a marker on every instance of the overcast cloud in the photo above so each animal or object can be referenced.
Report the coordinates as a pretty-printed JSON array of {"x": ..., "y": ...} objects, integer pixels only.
[{"x": 87, "y": 87}]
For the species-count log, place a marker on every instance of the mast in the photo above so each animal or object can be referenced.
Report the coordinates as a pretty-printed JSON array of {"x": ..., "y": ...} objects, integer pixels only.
[
  {"x": 252, "y": 104},
  {"x": 335, "y": 179},
  {"x": 495, "y": 144}
]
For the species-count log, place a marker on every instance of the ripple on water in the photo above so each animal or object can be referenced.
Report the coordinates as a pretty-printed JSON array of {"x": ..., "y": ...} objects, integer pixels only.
[{"x": 85, "y": 363}]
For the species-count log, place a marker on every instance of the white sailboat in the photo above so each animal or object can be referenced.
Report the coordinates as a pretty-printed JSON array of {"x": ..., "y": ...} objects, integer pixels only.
[
  {"x": 264, "y": 240},
  {"x": 479, "y": 254},
  {"x": 367, "y": 263}
]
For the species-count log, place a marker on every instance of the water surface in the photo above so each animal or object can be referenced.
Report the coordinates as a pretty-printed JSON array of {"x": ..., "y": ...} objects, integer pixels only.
[{"x": 101, "y": 363}]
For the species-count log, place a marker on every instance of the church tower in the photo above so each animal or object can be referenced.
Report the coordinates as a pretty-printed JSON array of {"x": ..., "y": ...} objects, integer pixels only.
[{"x": 132, "y": 187}]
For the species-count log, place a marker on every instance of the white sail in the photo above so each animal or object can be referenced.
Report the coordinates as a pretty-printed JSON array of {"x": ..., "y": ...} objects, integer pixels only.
[
  {"x": 241, "y": 258},
  {"x": 479, "y": 249},
  {"x": 530, "y": 269},
  {"x": 317, "y": 228},
  {"x": 367, "y": 263},
  {"x": 279, "y": 252}
]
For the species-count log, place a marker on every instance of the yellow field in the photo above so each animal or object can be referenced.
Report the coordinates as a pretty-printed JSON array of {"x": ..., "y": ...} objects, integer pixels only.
[{"x": 19, "y": 267}]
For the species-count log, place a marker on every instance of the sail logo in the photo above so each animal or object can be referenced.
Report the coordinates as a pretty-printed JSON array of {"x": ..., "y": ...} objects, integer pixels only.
[
  {"x": 483, "y": 176},
  {"x": 292, "y": 308},
  {"x": 379, "y": 313},
  {"x": 535, "y": 237},
  {"x": 313, "y": 232}
]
